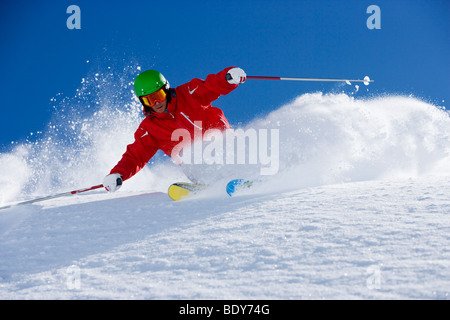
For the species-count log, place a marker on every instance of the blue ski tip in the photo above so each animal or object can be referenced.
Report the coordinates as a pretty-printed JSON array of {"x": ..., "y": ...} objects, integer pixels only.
[{"x": 237, "y": 185}]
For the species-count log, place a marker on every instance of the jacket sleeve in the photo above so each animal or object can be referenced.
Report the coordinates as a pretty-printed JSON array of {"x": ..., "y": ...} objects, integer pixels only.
[
  {"x": 210, "y": 89},
  {"x": 137, "y": 154}
]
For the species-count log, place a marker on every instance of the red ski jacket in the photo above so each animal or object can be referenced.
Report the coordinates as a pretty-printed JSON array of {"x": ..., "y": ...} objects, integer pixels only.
[{"x": 187, "y": 104}]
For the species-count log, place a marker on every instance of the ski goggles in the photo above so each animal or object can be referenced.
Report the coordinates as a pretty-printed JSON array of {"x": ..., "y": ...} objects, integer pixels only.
[{"x": 150, "y": 99}]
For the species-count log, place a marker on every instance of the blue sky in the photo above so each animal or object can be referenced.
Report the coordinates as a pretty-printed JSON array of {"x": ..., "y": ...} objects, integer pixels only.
[{"x": 40, "y": 57}]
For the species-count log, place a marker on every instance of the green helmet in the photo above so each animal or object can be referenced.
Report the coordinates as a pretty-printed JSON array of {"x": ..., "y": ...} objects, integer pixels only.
[{"x": 148, "y": 82}]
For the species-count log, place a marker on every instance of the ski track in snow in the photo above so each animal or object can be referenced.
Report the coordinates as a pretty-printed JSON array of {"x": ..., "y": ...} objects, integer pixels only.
[{"x": 358, "y": 210}]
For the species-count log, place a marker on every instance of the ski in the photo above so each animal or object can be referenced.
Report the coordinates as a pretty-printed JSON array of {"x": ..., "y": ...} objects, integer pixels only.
[
  {"x": 237, "y": 185},
  {"x": 180, "y": 190}
]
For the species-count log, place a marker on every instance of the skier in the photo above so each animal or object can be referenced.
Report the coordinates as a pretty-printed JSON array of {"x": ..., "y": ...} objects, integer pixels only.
[{"x": 167, "y": 109}]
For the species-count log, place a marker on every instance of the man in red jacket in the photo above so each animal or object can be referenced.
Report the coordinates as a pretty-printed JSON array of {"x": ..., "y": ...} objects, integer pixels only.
[{"x": 167, "y": 109}]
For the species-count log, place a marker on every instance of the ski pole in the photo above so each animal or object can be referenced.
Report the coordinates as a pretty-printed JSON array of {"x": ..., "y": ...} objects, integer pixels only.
[
  {"x": 53, "y": 196},
  {"x": 366, "y": 79}
]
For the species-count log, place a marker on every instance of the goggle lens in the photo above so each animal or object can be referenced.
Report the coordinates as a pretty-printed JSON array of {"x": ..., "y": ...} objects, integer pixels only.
[{"x": 150, "y": 99}]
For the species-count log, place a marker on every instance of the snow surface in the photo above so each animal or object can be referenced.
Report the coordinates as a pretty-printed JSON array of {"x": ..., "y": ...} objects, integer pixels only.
[{"x": 359, "y": 209}]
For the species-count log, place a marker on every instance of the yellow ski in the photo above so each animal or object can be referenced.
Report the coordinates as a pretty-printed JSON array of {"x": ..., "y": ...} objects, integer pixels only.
[{"x": 180, "y": 190}]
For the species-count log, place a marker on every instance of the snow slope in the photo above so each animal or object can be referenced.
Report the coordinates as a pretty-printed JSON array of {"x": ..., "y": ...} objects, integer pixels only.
[
  {"x": 365, "y": 240},
  {"x": 359, "y": 209}
]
